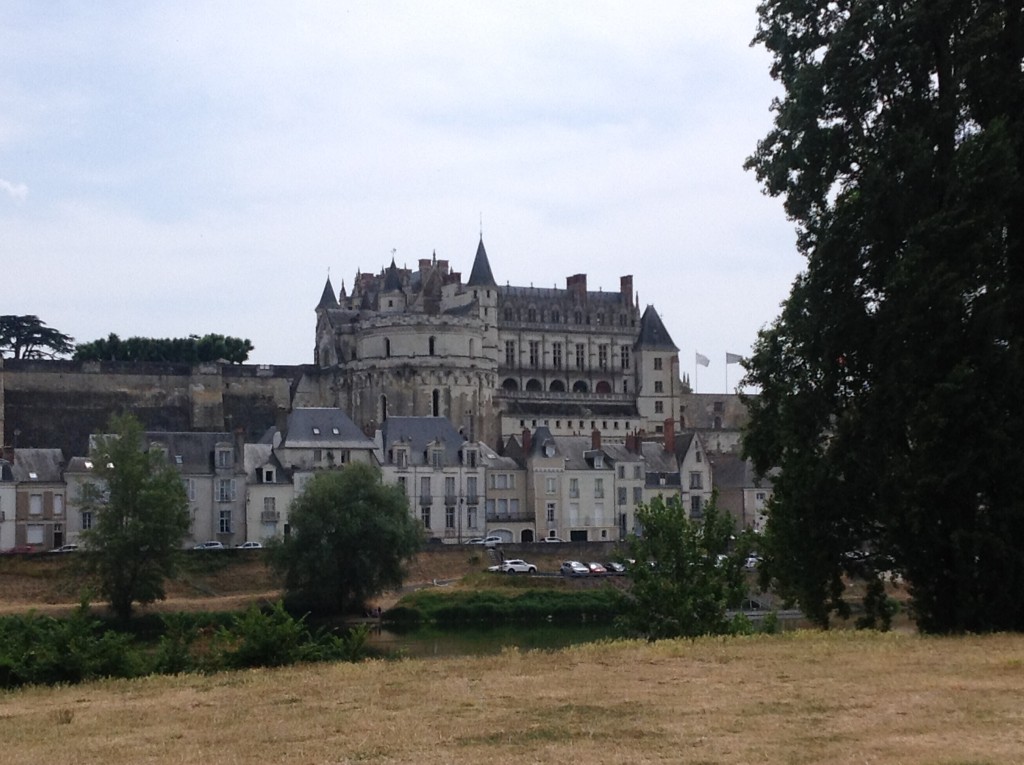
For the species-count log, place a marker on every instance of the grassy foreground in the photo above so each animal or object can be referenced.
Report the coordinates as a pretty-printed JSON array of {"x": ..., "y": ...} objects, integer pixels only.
[{"x": 801, "y": 697}]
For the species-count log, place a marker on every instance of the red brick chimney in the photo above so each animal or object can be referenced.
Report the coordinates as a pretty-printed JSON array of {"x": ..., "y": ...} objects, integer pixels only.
[
  {"x": 595, "y": 439},
  {"x": 670, "y": 435},
  {"x": 626, "y": 289},
  {"x": 526, "y": 442}
]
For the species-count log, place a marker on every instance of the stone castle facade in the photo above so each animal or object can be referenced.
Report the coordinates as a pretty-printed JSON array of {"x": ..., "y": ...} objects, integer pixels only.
[{"x": 493, "y": 359}]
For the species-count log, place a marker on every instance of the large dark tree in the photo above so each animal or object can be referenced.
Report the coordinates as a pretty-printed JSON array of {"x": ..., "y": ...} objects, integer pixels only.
[
  {"x": 350, "y": 537},
  {"x": 891, "y": 382},
  {"x": 27, "y": 337}
]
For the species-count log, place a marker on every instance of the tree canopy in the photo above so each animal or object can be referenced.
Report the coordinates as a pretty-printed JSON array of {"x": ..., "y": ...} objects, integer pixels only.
[
  {"x": 686, "y": 572},
  {"x": 140, "y": 515},
  {"x": 350, "y": 536},
  {"x": 27, "y": 337},
  {"x": 188, "y": 350},
  {"x": 890, "y": 383}
]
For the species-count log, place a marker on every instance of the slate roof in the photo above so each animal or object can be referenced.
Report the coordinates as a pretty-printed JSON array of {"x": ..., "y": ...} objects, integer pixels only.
[
  {"x": 39, "y": 465},
  {"x": 323, "y": 427},
  {"x": 191, "y": 452},
  {"x": 417, "y": 432},
  {"x": 731, "y": 471},
  {"x": 328, "y": 299},
  {"x": 481, "y": 275},
  {"x": 258, "y": 455},
  {"x": 392, "y": 280},
  {"x": 653, "y": 335}
]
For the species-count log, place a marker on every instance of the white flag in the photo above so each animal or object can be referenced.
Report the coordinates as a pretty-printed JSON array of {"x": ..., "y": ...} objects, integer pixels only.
[
  {"x": 703, "y": 360},
  {"x": 733, "y": 358}
]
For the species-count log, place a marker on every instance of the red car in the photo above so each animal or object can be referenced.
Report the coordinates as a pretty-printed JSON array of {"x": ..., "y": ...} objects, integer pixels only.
[
  {"x": 597, "y": 568},
  {"x": 20, "y": 550}
]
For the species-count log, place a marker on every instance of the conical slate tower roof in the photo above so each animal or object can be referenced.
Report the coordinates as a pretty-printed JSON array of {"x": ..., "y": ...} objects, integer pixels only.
[
  {"x": 327, "y": 299},
  {"x": 653, "y": 335},
  {"x": 481, "y": 275},
  {"x": 392, "y": 281}
]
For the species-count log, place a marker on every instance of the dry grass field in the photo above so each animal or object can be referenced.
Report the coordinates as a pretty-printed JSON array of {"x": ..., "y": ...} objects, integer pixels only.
[{"x": 801, "y": 697}]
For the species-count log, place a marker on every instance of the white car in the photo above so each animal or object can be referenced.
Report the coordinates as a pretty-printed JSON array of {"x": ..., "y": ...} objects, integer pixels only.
[
  {"x": 514, "y": 566},
  {"x": 250, "y": 546},
  {"x": 209, "y": 545},
  {"x": 491, "y": 541}
]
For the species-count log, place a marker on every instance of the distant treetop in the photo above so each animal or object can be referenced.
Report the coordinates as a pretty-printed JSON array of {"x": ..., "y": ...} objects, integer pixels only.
[{"x": 189, "y": 350}]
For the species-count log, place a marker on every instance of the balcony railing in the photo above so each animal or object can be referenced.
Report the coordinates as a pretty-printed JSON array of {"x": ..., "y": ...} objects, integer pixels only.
[
  {"x": 270, "y": 516},
  {"x": 518, "y": 517},
  {"x": 426, "y": 499}
]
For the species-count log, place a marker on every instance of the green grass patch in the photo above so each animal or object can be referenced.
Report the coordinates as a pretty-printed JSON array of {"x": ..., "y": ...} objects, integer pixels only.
[{"x": 514, "y": 604}]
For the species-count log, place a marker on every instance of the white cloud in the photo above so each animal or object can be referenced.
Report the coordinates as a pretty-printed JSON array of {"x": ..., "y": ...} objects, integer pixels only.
[{"x": 16, "y": 191}]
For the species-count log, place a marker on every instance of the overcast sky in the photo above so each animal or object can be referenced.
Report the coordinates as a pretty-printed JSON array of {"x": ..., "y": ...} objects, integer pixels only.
[{"x": 183, "y": 168}]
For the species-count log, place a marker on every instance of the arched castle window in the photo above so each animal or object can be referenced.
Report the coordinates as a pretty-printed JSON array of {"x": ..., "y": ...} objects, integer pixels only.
[
  {"x": 472, "y": 347},
  {"x": 603, "y": 387},
  {"x": 509, "y": 384},
  {"x": 531, "y": 314},
  {"x": 557, "y": 386},
  {"x": 579, "y": 386},
  {"x": 435, "y": 404},
  {"x": 387, "y": 347},
  {"x": 578, "y": 317},
  {"x": 555, "y": 318},
  {"x": 383, "y": 414},
  {"x": 432, "y": 343},
  {"x": 534, "y": 384}
]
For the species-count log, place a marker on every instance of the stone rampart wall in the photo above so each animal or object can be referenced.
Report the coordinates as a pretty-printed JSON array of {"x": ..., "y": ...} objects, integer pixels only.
[{"x": 59, "y": 403}]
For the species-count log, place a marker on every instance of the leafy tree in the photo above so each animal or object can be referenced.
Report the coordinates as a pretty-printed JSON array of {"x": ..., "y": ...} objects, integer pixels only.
[
  {"x": 189, "y": 350},
  {"x": 685, "y": 576},
  {"x": 141, "y": 515},
  {"x": 350, "y": 537},
  {"x": 26, "y": 337},
  {"x": 889, "y": 384}
]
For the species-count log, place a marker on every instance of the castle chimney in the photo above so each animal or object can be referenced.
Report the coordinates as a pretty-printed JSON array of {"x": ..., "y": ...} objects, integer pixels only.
[
  {"x": 626, "y": 289},
  {"x": 526, "y": 442},
  {"x": 670, "y": 435},
  {"x": 595, "y": 439}
]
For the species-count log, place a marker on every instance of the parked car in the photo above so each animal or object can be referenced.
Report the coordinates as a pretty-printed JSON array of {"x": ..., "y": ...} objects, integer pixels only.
[
  {"x": 64, "y": 549},
  {"x": 250, "y": 546},
  {"x": 596, "y": 568},
  {"x": 553, "y": 539},
  {"x": 615, "y": 568},
  {"x": 20, "y": 550},
  {"x": 491, "y": 541},
  {"x": 753, "y": 561},
  {"x": 514, "y": 566},
  {"x": 573, "y": 568},
  {"x": 209, "y": 545}
]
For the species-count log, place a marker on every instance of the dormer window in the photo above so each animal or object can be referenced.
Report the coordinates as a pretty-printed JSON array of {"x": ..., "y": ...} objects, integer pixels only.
[
  {"x": 316, "y": 431},
  {"x": 470, "y": 457},
  {"x": 268, "y": 475},
  {"x": 598, "y": 461},
  {"x": 401, "y": 457},
  {"x": 335, "y": 431},
  {"x": 437, "y": 458},
  {"x": 224, "y": 459}
]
